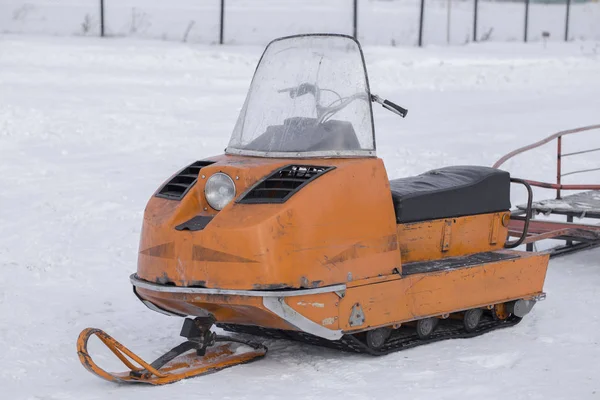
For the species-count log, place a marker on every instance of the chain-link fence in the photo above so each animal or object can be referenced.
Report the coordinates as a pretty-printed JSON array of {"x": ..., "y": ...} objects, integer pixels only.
[{"x": 382, "y": 22}]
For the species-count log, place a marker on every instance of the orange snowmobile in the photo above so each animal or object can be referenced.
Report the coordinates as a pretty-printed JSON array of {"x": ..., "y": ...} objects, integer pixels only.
[{"x": 296, "y": 232}]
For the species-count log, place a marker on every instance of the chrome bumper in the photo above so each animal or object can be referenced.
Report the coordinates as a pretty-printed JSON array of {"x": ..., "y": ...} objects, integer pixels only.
[{"x": 273, "y": 300}]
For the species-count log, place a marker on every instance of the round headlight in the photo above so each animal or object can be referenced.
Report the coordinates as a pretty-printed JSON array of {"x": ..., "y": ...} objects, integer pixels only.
[{"x": 219, "y": 190}]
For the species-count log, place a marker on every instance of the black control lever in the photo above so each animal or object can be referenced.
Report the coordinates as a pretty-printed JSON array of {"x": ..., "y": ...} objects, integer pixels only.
[{"x": 388, "y": 105}]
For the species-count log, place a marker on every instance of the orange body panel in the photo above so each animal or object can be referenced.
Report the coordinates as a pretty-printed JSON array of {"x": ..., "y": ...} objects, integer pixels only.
[
  {"x": 450, "y": 237},
  {"x": 431, "y": 294},
  {"x": 392, "y": 299},
  {"x": 243, "y": 310},
  {"x": 339, "y": 228}
]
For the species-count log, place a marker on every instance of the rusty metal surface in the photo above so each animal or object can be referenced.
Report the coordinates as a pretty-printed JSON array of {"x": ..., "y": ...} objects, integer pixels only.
[
  {"x": 446, "y": 264},
  {"x": 541, "y": 236},
  {"x": 451, "y": 237},
  {"x": 586, "y": 204},
  {"x": 540, "y": 226},
  {"x": 574, "y": 153},
  {"x": 577, "y": 236},
  {"x": 448, "y": 291},
  {"x": 181, "y": 367},
  {"x": 547, "y": 185},
  {"x": 581, "y": 171},
  {"x": 550, "y": 138},
  {"x": 558, "y": 186},
  {"x": 558, "y": 166},
  {"x": 137, "y": 282}
]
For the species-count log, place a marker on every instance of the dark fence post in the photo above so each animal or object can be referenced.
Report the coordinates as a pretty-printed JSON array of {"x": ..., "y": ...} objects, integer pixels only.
[
  {"x": 101, "y": 18},
  {"x": 475, "y": 20},
  {"x": 567, "y": 20},
  {"x": 421, "y": 23},
  {"x": 526, "y": 20},
  {"x": 222, "y": 23},
  {"x": 355, "y": 20}
]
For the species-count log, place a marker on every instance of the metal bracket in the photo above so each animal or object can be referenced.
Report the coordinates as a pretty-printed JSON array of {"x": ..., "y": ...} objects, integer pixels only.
[
  {"x": 537, "y": 297},
  {"x": 279, "y": 307},
  {"x": 446, "y": 235},
  {"x": 495, "y": 229},
  {"x": 357, "y": 316}
]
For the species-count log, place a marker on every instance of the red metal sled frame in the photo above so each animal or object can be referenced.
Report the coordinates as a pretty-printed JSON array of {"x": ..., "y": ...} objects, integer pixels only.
[{"x": 577, "y": 236}]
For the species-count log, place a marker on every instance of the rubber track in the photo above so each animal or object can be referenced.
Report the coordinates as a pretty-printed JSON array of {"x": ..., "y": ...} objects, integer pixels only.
[{"x": 401, "y": 339}]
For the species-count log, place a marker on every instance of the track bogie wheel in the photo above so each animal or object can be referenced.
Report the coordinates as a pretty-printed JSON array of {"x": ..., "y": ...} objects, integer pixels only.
[
  {"x": 376, "y": 338},
  {"x": 425, "y": 327},
  {"x": 472, "y": 318},
  {"x": 499, "y": 312}
]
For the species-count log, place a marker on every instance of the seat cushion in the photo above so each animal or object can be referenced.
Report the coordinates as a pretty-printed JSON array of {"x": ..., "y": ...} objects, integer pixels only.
[{"x": 451, "y": 192}]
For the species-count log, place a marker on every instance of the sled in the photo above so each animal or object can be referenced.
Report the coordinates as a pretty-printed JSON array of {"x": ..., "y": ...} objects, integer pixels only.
[{"x": 582, "y": 205}]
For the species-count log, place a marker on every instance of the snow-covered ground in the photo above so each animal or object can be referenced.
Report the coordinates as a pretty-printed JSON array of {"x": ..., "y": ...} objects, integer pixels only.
[
  {"x": 380, "y": 22},
  {"x": 89, "y": 128}
]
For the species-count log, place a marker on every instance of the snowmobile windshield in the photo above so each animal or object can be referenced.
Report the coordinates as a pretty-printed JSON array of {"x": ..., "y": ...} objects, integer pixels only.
[{"x": 309, "y": 98}]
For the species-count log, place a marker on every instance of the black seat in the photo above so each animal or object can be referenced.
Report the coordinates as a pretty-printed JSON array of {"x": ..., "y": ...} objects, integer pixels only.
[{"x": 450, "y": 192}]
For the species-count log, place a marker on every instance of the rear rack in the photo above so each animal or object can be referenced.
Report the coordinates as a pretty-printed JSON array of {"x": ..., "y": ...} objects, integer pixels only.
[
  {"x": 559, "y": 156},
  {"x": 581, "y": 205}
]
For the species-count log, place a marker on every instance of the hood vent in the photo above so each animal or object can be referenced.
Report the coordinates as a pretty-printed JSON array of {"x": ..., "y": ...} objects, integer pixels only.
[
  {"x": 282, "y": 184},
  {"x": 179, "y": 185}
]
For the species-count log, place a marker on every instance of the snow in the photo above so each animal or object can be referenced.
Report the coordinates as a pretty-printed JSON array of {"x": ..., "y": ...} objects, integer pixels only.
[
  {"x": 89, "y": 128},
  {"x": 380, "y": 22}
]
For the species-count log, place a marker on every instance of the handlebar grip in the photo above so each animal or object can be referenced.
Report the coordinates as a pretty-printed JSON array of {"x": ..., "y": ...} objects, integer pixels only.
[{"x": 395, "y": 108}]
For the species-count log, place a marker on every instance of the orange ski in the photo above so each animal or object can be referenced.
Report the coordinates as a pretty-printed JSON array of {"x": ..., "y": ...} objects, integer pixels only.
[{"x": 178, "y": 363}]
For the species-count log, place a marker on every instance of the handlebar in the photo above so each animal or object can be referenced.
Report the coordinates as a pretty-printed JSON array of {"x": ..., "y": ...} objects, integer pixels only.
[
  {"x": 327, "y": 111},
  {"x": 301, "y": 90}
]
